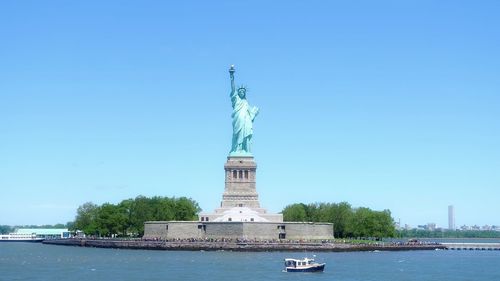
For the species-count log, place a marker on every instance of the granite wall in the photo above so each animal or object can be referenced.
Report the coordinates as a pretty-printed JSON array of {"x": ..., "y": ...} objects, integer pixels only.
[{"x": 242, "y": 230}]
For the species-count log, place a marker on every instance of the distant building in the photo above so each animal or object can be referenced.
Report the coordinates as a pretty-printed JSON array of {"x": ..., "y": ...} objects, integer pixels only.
[
  {"x": 431, "y": 226},
  {"x": 475, "y": 227},
  {"x": 46, "y": 233},
  {"x": 451, "y": 218},
  {"x": 486, "y": 227}
]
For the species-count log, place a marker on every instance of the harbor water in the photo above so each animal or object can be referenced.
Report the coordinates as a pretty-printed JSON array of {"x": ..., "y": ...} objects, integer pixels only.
[{"x": 35, "y": 261}]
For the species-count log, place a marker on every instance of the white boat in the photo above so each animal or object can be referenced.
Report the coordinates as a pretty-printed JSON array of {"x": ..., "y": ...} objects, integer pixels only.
[
  {"x": 20, "y": 237},
  {"x": 303, "y": 265}
]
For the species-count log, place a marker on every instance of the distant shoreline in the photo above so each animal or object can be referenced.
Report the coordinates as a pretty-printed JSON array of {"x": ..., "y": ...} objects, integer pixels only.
[{"x": 237, "y": 247}]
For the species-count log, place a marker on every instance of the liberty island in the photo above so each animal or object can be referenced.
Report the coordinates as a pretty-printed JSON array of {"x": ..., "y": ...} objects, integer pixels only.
[
  {"x": 240, "y": 223},
  {"x": 240, "y": 215}
]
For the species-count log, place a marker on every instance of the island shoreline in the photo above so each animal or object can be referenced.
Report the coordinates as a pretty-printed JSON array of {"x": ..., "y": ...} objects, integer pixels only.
[{"x": 237, "y": 247}]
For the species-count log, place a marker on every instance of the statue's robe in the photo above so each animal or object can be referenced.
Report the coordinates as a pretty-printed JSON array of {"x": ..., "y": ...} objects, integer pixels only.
[{"x": 243, "y": 117}]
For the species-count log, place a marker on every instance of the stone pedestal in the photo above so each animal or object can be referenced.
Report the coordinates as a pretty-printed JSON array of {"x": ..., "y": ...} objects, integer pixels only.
[
  {"x": 240, "y": 201},
  {"x": 240, "y": 188}
]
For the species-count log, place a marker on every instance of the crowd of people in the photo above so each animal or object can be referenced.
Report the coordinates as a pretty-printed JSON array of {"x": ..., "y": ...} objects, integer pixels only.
[{"x": 234, "y": 240}]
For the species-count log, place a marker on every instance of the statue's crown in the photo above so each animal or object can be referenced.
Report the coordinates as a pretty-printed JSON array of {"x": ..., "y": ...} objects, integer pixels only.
[{"x": 242, "y": 87}]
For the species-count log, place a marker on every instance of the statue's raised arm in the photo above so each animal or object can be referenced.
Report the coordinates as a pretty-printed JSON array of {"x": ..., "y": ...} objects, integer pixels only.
[
  {"x": 231, "y": 76},
  {"x": 243, "y": 117}
]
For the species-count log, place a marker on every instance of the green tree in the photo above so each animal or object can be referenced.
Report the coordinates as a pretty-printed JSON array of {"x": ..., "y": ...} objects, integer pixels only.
[
  {"x": 312, "y": 212},
  {"x": 70, "y": 225},
  {"x": 128, "y": 217},
  {"x": 86, "y": 216},
  {"x": 141, "y": 210},
  {"x": 357, "y": 225},
  {"x": 347, "y": 222},
  {"x": 295, "y": 212},
  {"x": 6, "y": 229},
  {"x": 111, "y": 220},
  {"x": 164, "y": 209},
  {"x": 384, "y": 224},
  {"x": 340, "y": 216},
  {"x": 126, "y": 209},
  {"x": 367, "y": 223},
  {"x": 186, "y": 209},
  {"x": 336, "y": 213}
]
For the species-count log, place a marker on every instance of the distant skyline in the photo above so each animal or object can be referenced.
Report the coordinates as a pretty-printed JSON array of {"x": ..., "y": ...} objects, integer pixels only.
[{"x": 387, "y": 105}]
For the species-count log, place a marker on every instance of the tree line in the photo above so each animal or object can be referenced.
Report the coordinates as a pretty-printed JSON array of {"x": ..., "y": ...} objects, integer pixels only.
[
  {"x": 127, "y": 217},
  {"x": 6, "y": 229},
  {"x": 347, "y": 221},
  {"x": 445, "y": 233}
]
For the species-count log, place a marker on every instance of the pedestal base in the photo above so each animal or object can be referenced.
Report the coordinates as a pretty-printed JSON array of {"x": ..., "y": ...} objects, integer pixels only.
[
  {"x": 240, "y": 190},
  {"x": 240, "y": 201}
]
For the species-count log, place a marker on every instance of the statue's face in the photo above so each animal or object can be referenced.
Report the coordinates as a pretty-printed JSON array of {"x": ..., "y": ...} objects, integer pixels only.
[{"x": 241, "y": 93}]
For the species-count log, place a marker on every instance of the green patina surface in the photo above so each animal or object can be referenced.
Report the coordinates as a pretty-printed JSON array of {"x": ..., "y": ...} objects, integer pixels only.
[{"x": 243, "y": 116}]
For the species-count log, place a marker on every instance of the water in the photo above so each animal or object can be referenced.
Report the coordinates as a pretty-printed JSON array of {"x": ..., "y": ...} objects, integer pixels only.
[{"x": 28, "y": 261}]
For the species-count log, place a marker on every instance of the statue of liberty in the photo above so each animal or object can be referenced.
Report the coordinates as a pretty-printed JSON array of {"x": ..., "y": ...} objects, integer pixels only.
[{"x": 243, "y": 117}]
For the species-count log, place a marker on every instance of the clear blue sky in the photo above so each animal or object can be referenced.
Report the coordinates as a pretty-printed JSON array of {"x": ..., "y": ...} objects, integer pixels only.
[{"x": 383, "y": 104}]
